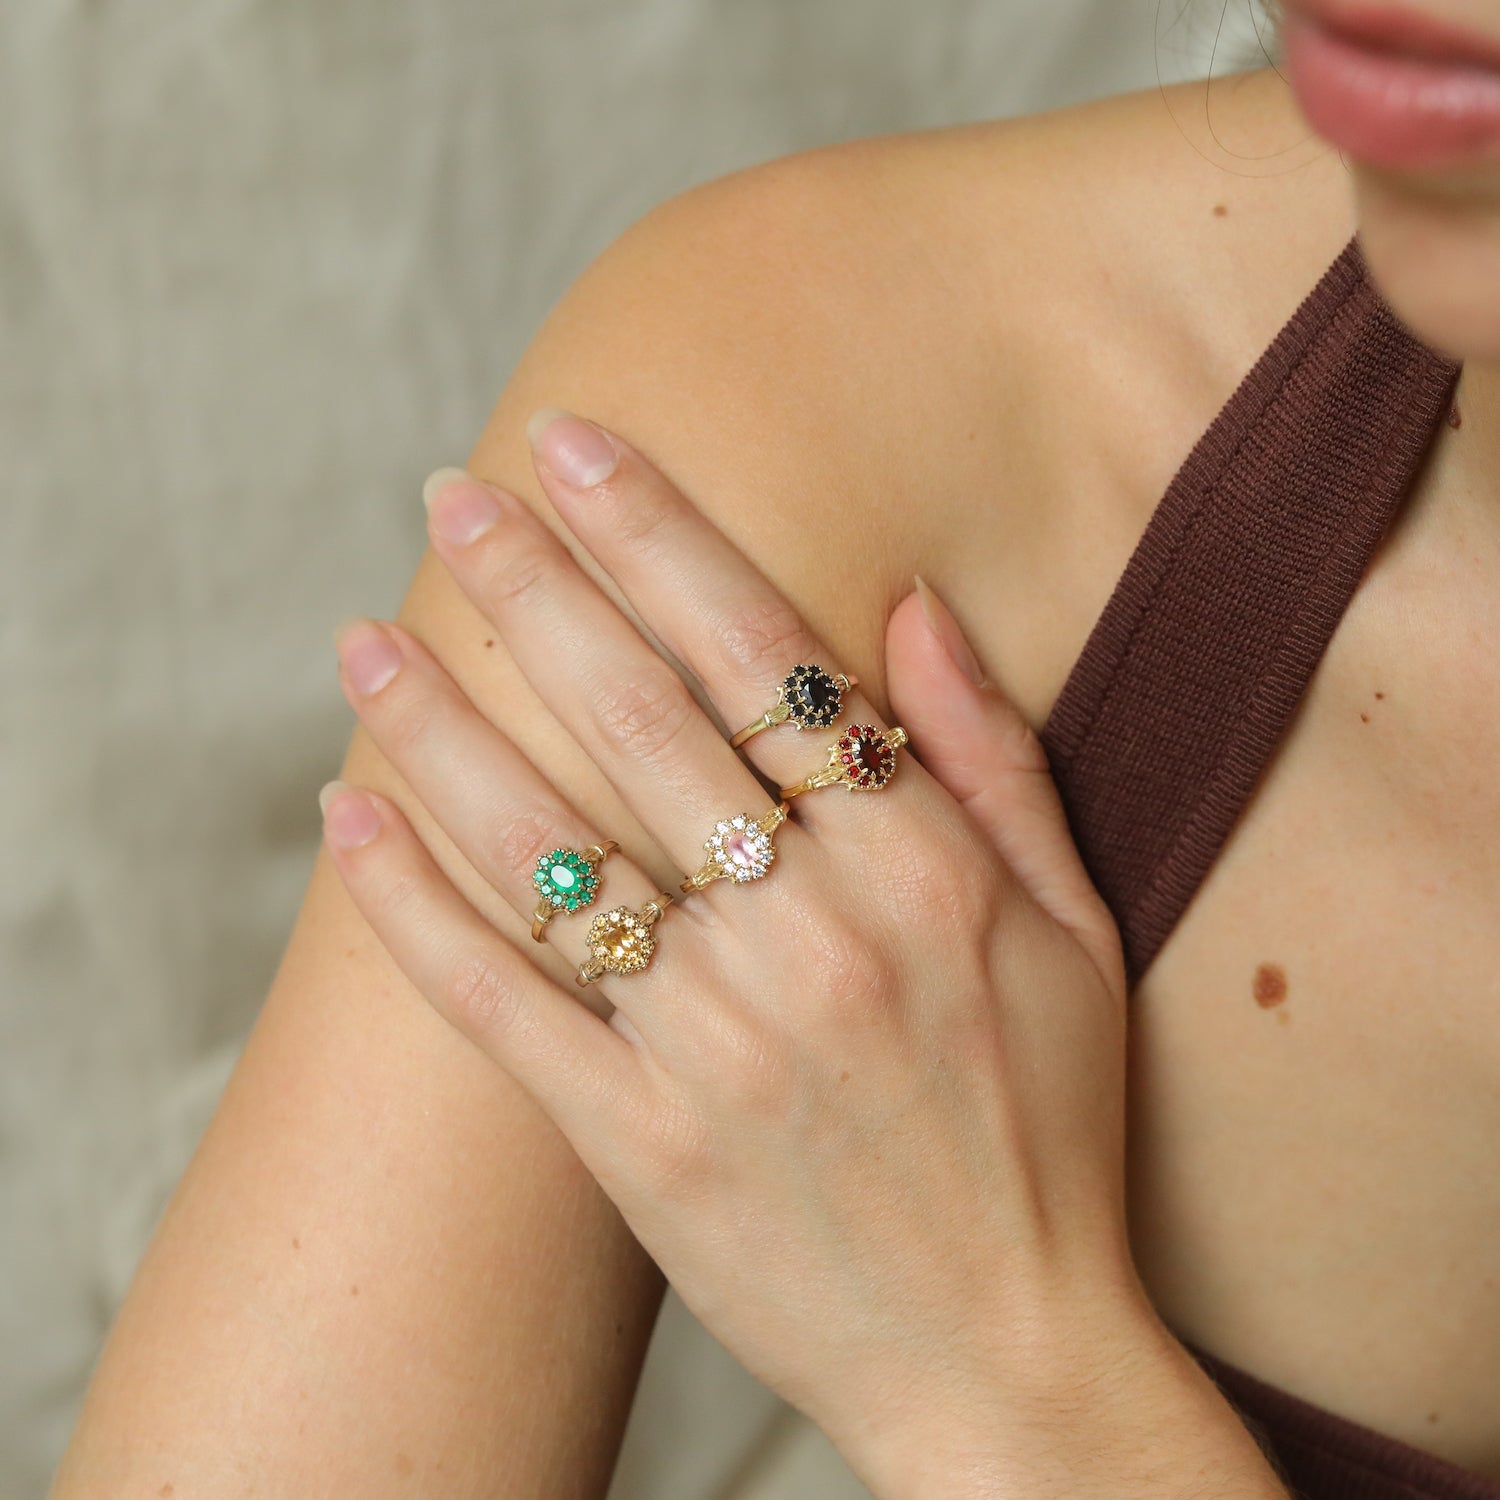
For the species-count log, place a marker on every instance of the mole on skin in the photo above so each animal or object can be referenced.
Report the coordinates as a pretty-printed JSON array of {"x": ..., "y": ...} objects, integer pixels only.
[
  {"x": 1220, "y": 210},
  {"x": 1269, "y": 987},
  {"x": 1455, "y": 417}
]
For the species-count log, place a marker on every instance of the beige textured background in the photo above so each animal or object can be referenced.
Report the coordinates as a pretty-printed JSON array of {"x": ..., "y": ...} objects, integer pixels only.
[{"x": 263, "y": 264}]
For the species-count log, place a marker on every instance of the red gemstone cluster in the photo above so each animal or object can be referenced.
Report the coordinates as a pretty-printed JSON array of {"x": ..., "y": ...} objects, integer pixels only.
[{"x": 868, "y": 758}]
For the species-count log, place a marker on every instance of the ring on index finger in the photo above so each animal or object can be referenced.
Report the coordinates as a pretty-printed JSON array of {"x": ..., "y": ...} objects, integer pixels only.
[{"x": 808, "y": 696}]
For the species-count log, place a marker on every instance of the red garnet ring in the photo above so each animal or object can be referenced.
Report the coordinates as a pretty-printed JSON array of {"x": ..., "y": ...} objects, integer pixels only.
[{"x": 863, "y": 758}]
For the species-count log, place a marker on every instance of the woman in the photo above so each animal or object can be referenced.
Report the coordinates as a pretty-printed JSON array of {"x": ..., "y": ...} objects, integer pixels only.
[{"x": 868, "y": 1110}]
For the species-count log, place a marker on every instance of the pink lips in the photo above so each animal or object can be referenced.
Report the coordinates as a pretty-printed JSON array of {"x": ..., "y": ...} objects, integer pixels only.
[{"x": 1393, "y": 88}]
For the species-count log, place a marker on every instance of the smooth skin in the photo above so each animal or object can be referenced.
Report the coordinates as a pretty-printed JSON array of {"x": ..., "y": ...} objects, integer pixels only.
[{"x": 968, "y": 354}]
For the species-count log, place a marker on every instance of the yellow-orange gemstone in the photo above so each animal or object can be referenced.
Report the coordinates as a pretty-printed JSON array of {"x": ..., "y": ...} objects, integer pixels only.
[{"x": 621, "y": 941}]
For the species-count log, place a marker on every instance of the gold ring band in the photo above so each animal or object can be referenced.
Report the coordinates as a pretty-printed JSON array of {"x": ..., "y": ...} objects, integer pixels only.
[
  {"x": 740, "y": 848},
  {"x": 808, "y": 696},
  {"x": 622, "y": 941},
  {"x": 863, "y": 758},
  {"x": 566, "y": 880}
]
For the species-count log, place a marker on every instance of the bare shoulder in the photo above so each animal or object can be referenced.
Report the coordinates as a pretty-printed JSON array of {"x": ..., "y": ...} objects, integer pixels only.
[{"x": 951, "y": 351}]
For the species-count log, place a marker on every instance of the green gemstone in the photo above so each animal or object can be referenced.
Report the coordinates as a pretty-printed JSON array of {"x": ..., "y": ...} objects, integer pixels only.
[{"x": 563, "y": 878}]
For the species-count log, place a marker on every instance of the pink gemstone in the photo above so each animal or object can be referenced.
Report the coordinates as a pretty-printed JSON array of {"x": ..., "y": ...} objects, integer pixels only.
[{"x": 741, "y": 850}]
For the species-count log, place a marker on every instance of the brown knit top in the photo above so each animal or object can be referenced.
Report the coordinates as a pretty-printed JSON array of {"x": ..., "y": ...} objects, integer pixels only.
[{"x": 1194, "y": 669}]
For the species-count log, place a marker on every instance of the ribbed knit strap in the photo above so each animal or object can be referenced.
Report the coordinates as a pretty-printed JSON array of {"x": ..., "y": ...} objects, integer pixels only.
[
  {"x": 1208, "y": 640},
  {"x": 1323, "y": 1456}
]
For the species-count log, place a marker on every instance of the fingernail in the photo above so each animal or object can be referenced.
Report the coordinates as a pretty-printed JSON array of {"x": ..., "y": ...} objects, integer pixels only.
[
  {"x": 577, "y": 452},
  {"x": 348, "y": 821},
  {"x": 461, "y": 508},
  {"x": 367, "y": 654},
  {"x": 950, "y": 637}
]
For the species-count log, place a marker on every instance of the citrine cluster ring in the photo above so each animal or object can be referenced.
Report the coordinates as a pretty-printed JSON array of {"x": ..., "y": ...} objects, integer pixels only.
[
  {"x": 808, "y": 698},
  {"x": 622, "y": 941},
  {"x": 566, "y": 880},
  {"x": 740, "y": 848},
  {"x": 863, "y": 758}
]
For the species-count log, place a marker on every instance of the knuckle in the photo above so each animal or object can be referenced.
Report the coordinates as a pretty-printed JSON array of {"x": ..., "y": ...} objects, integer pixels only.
[
  {"x": 854, "y": 979},
  {"x": 676, "y": 1151},
  {"x": 410, "y": 717},
  {"x": 515, "y": 576},
  {"x": 402, "y": 891},
  {"x": 480, "y": 998},
  {"x": 522, "y": 841},
  {"x": 754, "y": 1068},
  {"x": 1021, "y": 745},
  {"x": 762, "y": 632},
  {"x": 643, "y": 716},
  {"x": 947, "y": 879},
  {"x": 638, "y": 514}
]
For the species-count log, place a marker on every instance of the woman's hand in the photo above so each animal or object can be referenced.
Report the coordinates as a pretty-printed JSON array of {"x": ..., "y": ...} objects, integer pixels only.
[{"x": 865, "y": 1111}]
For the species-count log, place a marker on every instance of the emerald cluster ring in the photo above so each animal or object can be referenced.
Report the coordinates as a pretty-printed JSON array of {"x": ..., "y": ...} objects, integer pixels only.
[{"x": 566, "y": 880}]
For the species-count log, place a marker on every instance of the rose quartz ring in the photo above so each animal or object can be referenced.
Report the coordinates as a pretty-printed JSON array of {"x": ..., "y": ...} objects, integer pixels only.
[{"x": 739, "y": 848}]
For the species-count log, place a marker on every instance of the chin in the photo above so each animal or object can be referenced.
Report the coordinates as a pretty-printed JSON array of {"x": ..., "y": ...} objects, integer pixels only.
[{"x": 1435, "y": 255}]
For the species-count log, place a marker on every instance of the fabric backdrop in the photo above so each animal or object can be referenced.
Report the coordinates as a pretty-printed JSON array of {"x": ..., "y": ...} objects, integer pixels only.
[{"x": 263, "y": 264}]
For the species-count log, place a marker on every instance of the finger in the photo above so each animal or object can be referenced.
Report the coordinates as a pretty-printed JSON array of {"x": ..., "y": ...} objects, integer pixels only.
[
  {"x": 501, "y": 813},
  {"x": 696, "y": 591},
  {"x": 586, "y": 1076},
  {"x": 629, "y": 709},
  {"x": 970, "y": 736}
]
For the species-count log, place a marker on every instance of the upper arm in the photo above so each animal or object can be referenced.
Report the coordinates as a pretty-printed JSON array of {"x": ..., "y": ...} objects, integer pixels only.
[{"x": 384, "y": 1261}]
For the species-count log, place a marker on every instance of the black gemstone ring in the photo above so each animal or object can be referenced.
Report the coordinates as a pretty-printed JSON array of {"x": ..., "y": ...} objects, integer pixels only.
[{"x": 808, "y": 698}]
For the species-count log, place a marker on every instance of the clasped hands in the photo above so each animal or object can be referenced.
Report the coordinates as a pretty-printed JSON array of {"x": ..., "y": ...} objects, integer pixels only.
[{"x": 866, "y": 1111}]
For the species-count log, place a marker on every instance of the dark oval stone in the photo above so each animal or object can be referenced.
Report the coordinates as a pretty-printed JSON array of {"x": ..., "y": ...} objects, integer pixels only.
[
  {"x": 813, "y": 695},
  {"x": 869, "y": 755}
]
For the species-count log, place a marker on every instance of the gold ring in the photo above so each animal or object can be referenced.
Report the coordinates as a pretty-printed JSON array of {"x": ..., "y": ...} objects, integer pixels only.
[
  {"x": 863, "y": 758},
  {"x": 621, "y": 941},
  {"x": 566, "y": 880},
  {"x": 739, "y": 848},
  {"x": 810, "y": 697}
]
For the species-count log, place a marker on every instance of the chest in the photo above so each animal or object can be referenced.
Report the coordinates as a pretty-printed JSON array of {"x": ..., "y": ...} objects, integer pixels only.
[{"x": 1315, "y": 1053}]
